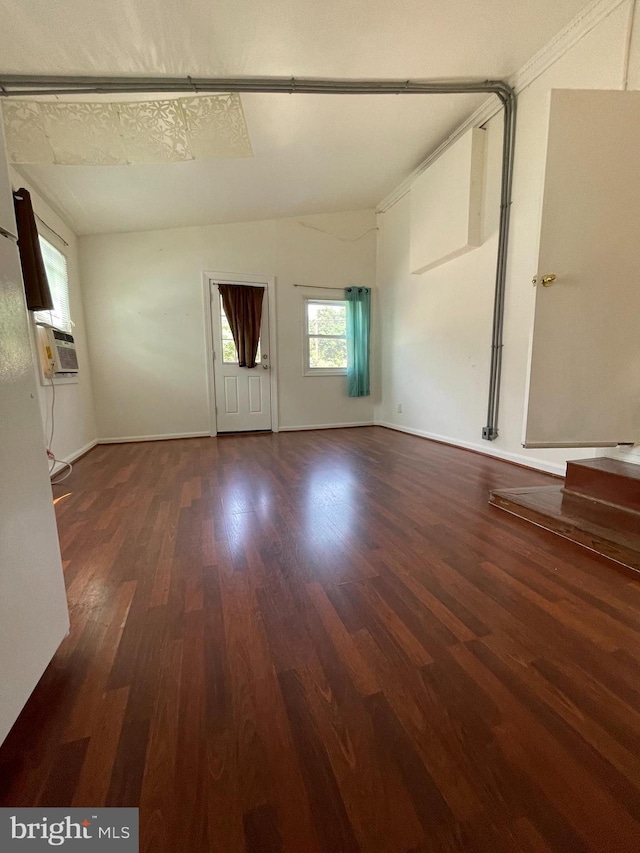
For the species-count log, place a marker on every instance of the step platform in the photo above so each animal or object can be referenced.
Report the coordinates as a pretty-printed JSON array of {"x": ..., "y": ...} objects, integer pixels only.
[{"x": 598, "y": 507}]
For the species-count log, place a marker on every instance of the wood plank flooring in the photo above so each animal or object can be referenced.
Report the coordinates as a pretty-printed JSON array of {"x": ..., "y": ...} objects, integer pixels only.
[{"x": 330, "y": 642}]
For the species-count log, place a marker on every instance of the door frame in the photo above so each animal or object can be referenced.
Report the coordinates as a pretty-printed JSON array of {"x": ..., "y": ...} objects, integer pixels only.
[{"x": 210, "y": 278}]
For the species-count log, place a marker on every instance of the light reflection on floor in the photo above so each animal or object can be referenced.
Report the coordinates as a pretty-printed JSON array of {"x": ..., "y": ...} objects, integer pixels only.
[
  {"x": 321, "y": 526},
  {"x": 329, "y": 496}
]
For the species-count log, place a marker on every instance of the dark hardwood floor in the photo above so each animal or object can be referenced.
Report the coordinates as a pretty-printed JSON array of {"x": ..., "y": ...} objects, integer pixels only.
[{"x": 329, "y": 641}]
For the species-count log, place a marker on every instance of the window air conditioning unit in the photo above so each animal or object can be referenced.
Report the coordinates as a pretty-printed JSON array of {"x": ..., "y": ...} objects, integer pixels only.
[{"x": 60, "y": 350}]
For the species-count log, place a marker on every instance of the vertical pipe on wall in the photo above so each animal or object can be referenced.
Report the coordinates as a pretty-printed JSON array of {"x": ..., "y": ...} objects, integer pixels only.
[{"x": 508, "y": 98}]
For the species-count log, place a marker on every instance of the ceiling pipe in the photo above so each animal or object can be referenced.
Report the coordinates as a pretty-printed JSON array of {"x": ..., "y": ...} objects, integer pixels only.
[{"x": 20, "y": 85}]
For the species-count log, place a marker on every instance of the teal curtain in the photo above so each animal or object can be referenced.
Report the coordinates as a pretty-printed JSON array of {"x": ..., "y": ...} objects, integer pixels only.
[{"x": 358, "y": 334}]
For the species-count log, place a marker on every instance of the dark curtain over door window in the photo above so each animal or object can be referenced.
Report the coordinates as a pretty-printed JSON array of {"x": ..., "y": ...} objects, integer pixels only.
[
  {"x": 243, "y": 307},
  {"x": 36, "y": 286}
]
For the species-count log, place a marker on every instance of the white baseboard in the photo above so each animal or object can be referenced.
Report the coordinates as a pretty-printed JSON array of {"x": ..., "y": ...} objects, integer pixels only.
[
  {"x": 625, "y": 454},
  {"x": 521, "y": 459},
  {"x": 126, "y": 439},
  {"x": 60, "y": 464},
  {"x": 303, "y": 427},
  {"x": 488, "y": 450}
]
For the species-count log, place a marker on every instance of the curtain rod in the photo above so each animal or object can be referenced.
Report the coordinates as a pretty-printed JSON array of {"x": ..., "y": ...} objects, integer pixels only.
[
  {"x": 49, "y": 228},
  {"x": 318, "y": 287}
]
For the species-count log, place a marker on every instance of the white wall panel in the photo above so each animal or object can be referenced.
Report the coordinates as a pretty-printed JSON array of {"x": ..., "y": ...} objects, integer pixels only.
[
  {"x": 446, "y": 204},
  {"x": 231, "y": 395},
  {"x": 255, "y": 394},
  {"x": 33, "y": 607}
]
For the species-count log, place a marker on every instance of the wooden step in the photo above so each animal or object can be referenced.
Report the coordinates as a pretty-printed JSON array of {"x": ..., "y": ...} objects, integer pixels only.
[
  {"x": 606, "y": 529},
  {"x": 608, "y": 480}
]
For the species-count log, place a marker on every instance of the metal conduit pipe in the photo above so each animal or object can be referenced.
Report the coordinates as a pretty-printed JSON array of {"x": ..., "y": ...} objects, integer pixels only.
[{"x": 20, "y": 85}]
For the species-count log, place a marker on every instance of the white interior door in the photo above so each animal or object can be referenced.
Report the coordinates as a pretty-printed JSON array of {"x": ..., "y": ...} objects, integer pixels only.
[
  {"x": 242, "y": 394},
  {"x": 584, "y": 383}
]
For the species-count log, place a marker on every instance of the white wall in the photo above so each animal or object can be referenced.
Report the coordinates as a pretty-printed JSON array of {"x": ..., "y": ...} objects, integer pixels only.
[
  {"x": 436, "y": 327},
  {"x": 33, "y": 607},
  {"x": 75, "y": 426},
  {"x": 143, "y": 293}
]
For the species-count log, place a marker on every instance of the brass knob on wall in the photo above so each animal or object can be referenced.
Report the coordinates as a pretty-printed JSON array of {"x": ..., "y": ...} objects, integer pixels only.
[{"x": 544, "y": 280}]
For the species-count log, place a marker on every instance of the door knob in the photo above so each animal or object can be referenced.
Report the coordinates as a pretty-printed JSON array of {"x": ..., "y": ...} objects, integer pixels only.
[
  {"x": 265, "y": 367},
  {"x": 544, "y": 280}
]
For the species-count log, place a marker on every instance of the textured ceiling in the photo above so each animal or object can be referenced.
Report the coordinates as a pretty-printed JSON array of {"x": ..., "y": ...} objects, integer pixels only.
[
  {"x": 103, "y": 133},
  {"x": 311, "y": 153}
]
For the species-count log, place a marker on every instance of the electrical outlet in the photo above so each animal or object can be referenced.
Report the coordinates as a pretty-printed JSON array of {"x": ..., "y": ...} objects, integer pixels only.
[{"x": 399, "y": 408}]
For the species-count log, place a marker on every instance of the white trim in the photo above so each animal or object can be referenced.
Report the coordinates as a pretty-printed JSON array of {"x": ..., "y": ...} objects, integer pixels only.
[
  {"x": 559, "y": 445},
  {"x": 303, "y": 427},
  {"x": 521, "y": 459},
  {"x": 60, "y": 463},
  {"x": 125, "y": 439},
  {"x": 484, "y": 112},
  {"x": 584, "y": 22},
  {"x": 208, "y": 334},
  {"x": 555, "y": 49},
  {"x": 269, "y": 283},
  {"x": 324, "y": 371},
  {"x": 626, "y": 454}
]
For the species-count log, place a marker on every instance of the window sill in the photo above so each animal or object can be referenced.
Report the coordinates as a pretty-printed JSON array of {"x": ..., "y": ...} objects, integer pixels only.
[
  {"x": 325, "y": 371},
  {"x": 64, "y": 379}
]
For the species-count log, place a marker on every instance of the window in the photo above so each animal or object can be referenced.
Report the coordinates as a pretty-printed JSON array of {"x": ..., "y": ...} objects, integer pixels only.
[
  {"x": 325, "y": 336},
  {"x": 55, "y": 265},
  {"x": 229, "y": 351}
]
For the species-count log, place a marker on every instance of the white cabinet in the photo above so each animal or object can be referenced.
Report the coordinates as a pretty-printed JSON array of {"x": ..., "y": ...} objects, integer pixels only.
[{"x": 584, "y": 372}]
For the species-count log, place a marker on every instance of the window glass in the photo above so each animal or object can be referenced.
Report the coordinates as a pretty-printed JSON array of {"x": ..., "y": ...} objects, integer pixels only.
[{"x": 326, "y": 333}]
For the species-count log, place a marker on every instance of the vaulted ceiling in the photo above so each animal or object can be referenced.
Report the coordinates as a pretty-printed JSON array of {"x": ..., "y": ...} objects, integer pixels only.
[{"x": 310, "y": 153}]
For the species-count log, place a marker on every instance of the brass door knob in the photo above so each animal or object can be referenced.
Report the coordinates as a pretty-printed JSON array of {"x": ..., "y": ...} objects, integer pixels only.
[{"x": 544, "y": 280}]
